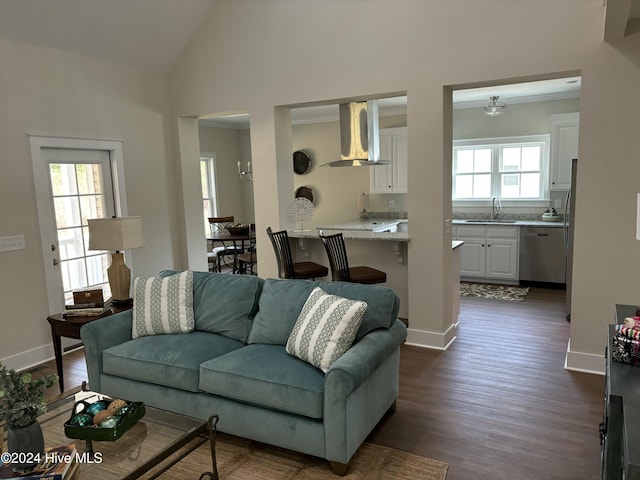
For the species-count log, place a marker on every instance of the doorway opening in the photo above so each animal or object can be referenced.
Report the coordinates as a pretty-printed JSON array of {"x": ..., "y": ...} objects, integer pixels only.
[{"x": 498, "y": 182}]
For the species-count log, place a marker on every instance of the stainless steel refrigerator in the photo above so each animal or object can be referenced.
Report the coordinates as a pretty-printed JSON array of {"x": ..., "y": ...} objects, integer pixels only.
[{"x": 569, "y": 209}]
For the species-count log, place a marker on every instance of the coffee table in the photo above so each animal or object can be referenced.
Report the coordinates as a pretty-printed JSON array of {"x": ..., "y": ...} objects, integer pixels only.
[{"x": 154, "y": 444}]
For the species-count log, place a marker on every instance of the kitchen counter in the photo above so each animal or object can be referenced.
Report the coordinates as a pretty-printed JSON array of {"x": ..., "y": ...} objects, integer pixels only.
[
  {"x": 352, "y": 234},
  {"x": 365, "y": 224},
  {"x": 517, "y": 223}
]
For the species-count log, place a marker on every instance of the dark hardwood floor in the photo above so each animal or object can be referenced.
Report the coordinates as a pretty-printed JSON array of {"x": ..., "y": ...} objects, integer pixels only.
[{"x": 497, "y": 405}]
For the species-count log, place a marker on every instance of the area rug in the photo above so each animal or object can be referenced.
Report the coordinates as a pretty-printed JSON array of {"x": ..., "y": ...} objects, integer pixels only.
[
  {"x": 493, "y": 291},
  {"x": 241, "y": 459}
]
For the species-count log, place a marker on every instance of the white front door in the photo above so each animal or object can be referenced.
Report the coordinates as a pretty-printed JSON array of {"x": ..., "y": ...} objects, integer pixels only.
[{"x": 72, "y": 185}]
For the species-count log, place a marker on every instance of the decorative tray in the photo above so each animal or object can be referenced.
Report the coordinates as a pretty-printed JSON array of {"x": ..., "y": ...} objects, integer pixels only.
[{"x": 119, "y": 417}]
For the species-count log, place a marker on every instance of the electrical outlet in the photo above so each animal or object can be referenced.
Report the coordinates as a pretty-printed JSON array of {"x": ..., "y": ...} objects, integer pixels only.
[
  {"x": 15, "y": 242},
  {"x": 392, "y": 203}
]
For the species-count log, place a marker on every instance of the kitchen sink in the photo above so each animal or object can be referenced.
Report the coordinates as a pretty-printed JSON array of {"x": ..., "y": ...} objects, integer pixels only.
[{"x": 490, "y": 221}]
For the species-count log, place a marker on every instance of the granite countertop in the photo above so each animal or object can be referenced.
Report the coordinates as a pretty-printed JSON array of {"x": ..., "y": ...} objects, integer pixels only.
[
  {"x": 516, "y": 223},
  {"x": 352, "y": 234},
  {"x": 365, "y": 224}
]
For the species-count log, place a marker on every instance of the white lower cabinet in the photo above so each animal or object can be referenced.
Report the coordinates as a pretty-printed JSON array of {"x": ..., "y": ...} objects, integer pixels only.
[{"x": 489, "y": 252}]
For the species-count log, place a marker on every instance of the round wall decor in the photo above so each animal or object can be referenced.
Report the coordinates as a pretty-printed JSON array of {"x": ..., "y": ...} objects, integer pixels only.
[
  {"x": 305, "y": 192},
  {"x": 301, "y": 162}
]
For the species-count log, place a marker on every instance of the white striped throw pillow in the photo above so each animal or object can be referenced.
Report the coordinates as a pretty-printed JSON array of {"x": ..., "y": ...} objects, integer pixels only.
[
  {"x": 325, "y": 329},
  {"x": 163, "y": 305}
]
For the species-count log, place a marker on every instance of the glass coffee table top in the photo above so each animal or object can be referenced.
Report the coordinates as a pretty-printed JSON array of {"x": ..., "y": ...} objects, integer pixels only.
[{"x": 157, "y": 441}]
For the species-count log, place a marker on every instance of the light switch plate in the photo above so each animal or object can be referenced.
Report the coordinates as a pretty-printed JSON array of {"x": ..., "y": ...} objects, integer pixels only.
[{"x": 14, "y": 242}]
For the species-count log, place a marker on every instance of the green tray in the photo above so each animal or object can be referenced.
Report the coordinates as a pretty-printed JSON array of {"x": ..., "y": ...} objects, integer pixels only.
[{"x": 101, "y": 433}]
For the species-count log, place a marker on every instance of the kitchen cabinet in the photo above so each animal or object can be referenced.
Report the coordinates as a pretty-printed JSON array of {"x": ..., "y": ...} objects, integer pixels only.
[
  {"x": 489, "y": 252},
  {"x": 564, "y": 148},
  {"x": 391, "y": 178}
]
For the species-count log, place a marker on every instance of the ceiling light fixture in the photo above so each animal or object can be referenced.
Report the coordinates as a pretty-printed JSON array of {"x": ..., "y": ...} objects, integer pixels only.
[{"x": 494, "y": 107}]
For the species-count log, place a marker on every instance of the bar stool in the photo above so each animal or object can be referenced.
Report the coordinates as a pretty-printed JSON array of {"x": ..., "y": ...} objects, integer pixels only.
[
  {"x": 340, "y": 270},
  {"x": 287, "y": 268}
]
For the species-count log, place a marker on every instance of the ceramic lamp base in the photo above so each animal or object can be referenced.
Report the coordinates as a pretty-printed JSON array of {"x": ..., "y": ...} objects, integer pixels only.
[{"x": 119, "y": 279}]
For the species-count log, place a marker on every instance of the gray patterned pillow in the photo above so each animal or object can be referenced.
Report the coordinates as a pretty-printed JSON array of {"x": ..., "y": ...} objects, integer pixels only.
[
  {"x": 163, "y": 305},
  {"x": 325, "y": 329}
]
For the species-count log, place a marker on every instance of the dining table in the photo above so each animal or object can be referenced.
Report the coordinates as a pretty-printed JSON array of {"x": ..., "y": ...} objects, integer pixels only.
[{"x": 226, "y": 238}]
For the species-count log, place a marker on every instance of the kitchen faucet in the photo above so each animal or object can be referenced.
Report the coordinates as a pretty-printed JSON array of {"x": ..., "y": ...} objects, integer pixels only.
[{"x": 495, "y": 206}]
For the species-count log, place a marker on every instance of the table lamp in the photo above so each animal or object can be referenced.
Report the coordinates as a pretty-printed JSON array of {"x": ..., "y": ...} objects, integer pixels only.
[{"x": 118, "y": 234}]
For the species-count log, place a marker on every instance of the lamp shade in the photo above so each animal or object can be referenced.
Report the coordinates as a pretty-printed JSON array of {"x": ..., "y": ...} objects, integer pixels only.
[{"x": 122, "y": 233}]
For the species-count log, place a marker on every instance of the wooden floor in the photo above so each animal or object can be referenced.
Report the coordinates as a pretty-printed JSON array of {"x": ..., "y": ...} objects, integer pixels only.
[{"x": 497, "y": 405}]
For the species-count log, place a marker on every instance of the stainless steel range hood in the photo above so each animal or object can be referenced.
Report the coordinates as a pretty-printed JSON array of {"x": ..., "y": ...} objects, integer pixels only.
[{"x": 359, "y": 136}]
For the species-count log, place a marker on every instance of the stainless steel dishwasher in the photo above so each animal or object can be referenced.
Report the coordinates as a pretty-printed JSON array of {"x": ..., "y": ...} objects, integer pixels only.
[{"x": 542, "y": 254}]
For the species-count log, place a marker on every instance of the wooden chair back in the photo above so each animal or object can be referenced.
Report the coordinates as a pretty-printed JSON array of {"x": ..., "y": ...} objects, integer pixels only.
[
  {"x": 337, "y": 254},
  {"x": 280, "y": 242}
]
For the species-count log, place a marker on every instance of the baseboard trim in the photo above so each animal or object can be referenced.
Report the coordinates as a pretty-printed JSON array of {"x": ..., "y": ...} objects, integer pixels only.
[
  {"x": 433, "y": 340},
  {"x": 29, "y": 358},
  {"x": 584, "y": 362}
]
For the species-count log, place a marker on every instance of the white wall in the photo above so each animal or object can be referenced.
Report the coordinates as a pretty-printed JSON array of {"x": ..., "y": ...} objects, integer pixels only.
[
  {"x": 230, "y": 146},
  {"x": 47, "y": 92},
  {"x": 418, "y": 48}
]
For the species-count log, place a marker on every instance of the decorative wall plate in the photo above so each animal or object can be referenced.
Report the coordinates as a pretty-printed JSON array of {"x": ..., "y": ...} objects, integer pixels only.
[
  {"x": 301, "y": 162},
  {"x": 305, "y": 192}
]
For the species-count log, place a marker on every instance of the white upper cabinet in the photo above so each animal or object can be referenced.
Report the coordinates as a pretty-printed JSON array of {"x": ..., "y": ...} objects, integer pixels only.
[
  {"x": 564, "y": 148},
  {"x": 391, "y": 178}
]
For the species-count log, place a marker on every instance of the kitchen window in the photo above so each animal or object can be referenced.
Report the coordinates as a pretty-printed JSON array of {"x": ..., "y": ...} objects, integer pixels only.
[
  {"x": 511, "y": 168},
  {"x": 208, "y": 182}
]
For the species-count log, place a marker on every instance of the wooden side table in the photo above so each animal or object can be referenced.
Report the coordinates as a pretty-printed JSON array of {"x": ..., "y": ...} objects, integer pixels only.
[{"x": 70, "y": 328}]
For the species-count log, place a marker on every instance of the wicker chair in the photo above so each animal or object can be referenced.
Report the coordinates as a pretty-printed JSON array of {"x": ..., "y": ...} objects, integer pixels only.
[
  {"x": 340, "y": 270},
  {"x": 287, "y": 268}
]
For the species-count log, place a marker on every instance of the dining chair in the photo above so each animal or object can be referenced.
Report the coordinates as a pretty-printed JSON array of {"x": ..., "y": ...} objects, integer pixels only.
[
  {"x": 217, "y": 254},
  {"x": 287, "y": 268},
  {"x": 340, "y": 269},
  {"x": 249, "y": 259}
]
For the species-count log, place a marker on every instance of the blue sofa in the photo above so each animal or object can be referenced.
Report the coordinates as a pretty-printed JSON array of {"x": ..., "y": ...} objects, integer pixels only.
[{"x": 234, "y": 364}]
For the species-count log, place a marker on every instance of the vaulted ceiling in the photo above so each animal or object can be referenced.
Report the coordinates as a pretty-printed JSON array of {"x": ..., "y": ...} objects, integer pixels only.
[{"x": 151, "y": 34}]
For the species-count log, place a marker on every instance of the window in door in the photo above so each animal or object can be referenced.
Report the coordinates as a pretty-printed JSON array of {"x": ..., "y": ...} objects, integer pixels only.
[
  {"x": 78, "y": 194},
  {"x": 208, "y": 182}
]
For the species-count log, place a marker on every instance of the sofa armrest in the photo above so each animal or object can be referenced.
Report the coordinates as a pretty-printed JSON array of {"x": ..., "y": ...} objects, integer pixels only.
[
  {"x": 100, "y": 335},
  {"x": 359, "y": 388},
  {"x": 362, "y": 359}
]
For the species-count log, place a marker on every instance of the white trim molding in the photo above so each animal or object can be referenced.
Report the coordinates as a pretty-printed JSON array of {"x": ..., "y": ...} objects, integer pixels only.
[
  {"x": 433, "y": 340},
  {"x": 584, "y": 362}
]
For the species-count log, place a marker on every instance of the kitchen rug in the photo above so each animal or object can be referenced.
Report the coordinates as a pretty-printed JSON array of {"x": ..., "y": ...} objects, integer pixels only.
[{"x": 493, "y": 291}]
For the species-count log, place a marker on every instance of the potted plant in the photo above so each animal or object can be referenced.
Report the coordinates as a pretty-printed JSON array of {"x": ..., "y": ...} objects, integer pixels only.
[{"x": 21, "y": 401}]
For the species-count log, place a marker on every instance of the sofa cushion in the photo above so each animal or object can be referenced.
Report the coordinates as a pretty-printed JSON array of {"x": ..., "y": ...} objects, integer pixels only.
[
  {"x": 281, "y": 302},
  {"x": 223, "y": 303},
  {"x": 267, "y": 376},
  {"x": 325, "y": 329},
  {"x": 163, "y": 305},
  {"x": 171, "y": 360}
]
